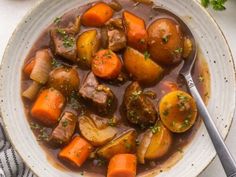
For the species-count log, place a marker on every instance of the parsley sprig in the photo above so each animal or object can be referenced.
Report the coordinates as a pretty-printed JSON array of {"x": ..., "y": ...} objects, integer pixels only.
[{"x": 216, "y": 4}]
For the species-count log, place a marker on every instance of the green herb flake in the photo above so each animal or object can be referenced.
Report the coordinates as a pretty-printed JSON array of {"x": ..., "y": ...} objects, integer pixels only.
[
  {"x": 216, "y": 4},
  {"x": 146, "y": 55},
  {"x": 64, "y": 123},
  {"x": 111, "y": 122},
  {"x": 165, "y": 39},
  {"x": 166, "y": 112},
  {"x": 155, "y": 129},
  {"x": 201, "y": 78},
  {"x": 57, "y": 20},
  {"x": 55, "y": 63},
  {"x": 178, "y": 50},
  {"x": 205, "y": 3},
  {"x": 135, "y": 94}
]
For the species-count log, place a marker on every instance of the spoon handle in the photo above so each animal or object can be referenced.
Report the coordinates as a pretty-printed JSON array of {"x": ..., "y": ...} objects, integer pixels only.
[{"x": 225, "y": 157}]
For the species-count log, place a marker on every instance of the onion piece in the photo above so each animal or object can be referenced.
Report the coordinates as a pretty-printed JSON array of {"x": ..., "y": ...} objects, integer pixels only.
[
  {"x": 42, "y": 67},
  {"x": 144, "y": 142},
  {"x": 32, "y": 91}
]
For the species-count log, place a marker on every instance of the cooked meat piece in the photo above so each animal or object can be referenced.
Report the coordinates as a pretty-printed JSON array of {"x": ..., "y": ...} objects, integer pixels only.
[
  {"x": 65, "y": 129},
  {"x": 64, "y": 44},
  {"x": 139, "y": 109},
  {"x": 116, "y": 40},
  {"x": 115, "y": 23},
  {"x": 99, "y": 95}
]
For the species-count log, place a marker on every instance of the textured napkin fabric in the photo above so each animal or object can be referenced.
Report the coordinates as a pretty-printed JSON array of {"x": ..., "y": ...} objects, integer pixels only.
[{"x": 11, "y": 165}]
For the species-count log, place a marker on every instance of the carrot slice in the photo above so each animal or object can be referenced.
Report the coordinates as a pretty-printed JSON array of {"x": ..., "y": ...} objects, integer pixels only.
[
  {"x": 29, "y": 67},
  {"x": 48, "y": 106},
  {"x": 122, "y": 165},
  {"x": 135, "y": 31},
  {"x": 106, "y": 64},
  {"x": 76, "y": 152},
  {"x": 97, "y": 15}
]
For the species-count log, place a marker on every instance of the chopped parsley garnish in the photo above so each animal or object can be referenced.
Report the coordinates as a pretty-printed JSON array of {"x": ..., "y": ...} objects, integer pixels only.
[
  {"x": 146, "y": 55},
  {"x": 178, "y": 50},
  {"x": 111, "y": 122},
  {"x": 155, "y": 129},
  {"x": 165, "y": 39},
  {"x": 68, "y": 41},
  {"x": 55, "y": 63},
  {"x": 135, "y": 94},
  {"x": 216, "y": 4},
  {"x": 64, "y": 123},
  {"x": 166, "y": 112},
  {"x": 57, "y": 20},
  {"x": 201, "y": 78}
]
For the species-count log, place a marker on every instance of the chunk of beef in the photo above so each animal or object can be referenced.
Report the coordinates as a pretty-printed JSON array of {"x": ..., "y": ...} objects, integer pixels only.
[
  {"x": 65, "y": 129},
  {"x": 114, "y": 35},
  {"x": 116, "y": 40},
  {"x": 64, "y": 44},
  {"x": 115, "y": 23},
  {"x": 99, "y": 95},
  {"x": 139, "y": 109}
]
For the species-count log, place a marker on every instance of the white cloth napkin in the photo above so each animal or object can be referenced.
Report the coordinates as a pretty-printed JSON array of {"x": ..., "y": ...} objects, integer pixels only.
[{"x": 11, "y": 165}]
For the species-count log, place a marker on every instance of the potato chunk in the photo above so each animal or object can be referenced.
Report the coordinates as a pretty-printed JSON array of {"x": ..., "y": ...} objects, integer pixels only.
[
  {"x": 178, "y": 111},
  {"x": 141, "y": 67},
  {"x": 165, "y": 41},
  {"x": 96, "y": 135},
  {"x": 154, "y": 143},
  {"x": 87, "y": 46},
  {"x": 121, "y": 145}
]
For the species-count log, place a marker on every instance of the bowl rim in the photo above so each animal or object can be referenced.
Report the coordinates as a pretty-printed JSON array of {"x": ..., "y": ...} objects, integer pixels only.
[{"x": 38, "y": 3}]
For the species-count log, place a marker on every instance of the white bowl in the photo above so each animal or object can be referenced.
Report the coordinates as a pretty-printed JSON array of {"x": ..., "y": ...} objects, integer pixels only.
[{"x": 221, "y": 105}]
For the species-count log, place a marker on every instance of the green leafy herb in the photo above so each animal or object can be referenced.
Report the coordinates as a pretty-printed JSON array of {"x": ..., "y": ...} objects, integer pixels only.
[
  {"x": 205, "y": 3},
  {"x": 201, "y": 78},
  {"x": 166, "y": 112},
  {"x": 165, "y": 39},
  {"x": 216, "y": 4},
  {"x": 68, "y": 41},
  {"x": 55, "y": 63},
  {"x": 178, "y": 50},
  {"x": 65, "y": 123},
  {"x": 57, "y": 20},
  {"x": 146, "y": 55},
  {"x": 135, "y": 94},
  {"x": 155, "y": 129}
]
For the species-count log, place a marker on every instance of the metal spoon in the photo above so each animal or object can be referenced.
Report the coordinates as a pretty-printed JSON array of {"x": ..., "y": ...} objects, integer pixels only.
[{"x": 225, "y": 157}]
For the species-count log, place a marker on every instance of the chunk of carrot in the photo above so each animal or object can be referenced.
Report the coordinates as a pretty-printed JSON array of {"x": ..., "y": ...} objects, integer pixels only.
[
  {"x": 48, "y": 106},
  {"x": 76, "y": 152},
  {"x": 97, "y": 15},
  {"x": 135, "y": 31},
  {"x": 122, "y": 165},
  {"x": 106, "y": 64},
  {"x": 29, "y": 67}
]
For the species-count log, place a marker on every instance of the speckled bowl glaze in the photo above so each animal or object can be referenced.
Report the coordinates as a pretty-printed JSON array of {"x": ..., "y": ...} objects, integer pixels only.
[{"x": 199, "y": 152}]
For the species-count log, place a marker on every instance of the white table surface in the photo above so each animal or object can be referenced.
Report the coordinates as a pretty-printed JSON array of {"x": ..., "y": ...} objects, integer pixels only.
[{"x": 11, "y": 12}]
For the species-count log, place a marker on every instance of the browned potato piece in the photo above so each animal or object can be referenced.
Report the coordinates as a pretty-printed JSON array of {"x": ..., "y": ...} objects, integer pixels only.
[
  {"x": 165, "y": 41},
  {"x": 160, "y": 142},
  {"x": 154, "y": 143},
  {"x": 66, "y": 80},
  {"x": 178, "y": 111},
  {"x": 141, "y": 67},
  {"x": 126, "y": 143},
  {"x": 96, "y": 135},
  {"x": 87, "y": 45}
]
